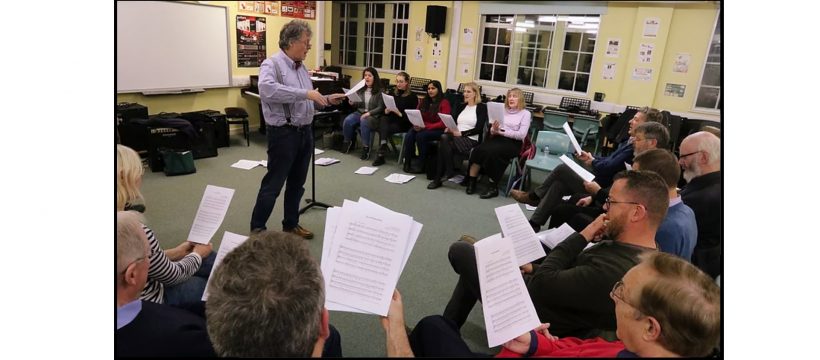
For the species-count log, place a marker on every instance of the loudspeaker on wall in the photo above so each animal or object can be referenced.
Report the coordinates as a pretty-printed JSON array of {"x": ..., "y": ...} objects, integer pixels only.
[{"x": 436, "y": 18}]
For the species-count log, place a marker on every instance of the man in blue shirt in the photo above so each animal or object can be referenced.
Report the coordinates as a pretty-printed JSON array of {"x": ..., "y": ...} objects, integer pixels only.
[{"x": 288, "y": 103}]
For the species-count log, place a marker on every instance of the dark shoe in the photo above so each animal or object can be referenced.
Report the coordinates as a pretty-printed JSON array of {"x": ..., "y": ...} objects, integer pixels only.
[
  {"x": 523, "y": 197},
  {"x": 416, "y": 170},
  {"x": 365, "y": 153},
  {"x": 406, "y": 167},
  {"x": 471, "y": 185},
  {"x": 379, "y": 160},
  {"x": 347, "y": 147},
  {"x": 257, "y": 230},
  {"x": 490, "y": 193},
  {"x": 300, "y": 231},
  {"x": 464, "y": 181},
  {"x": 435, "y": 184}
]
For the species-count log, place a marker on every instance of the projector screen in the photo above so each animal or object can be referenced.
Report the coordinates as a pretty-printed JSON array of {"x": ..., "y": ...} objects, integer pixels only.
[{"x": 165, "y": 46}]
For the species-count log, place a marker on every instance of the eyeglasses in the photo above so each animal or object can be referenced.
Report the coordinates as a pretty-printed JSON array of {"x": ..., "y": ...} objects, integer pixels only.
[
  {"x": 141, "y": 258},
  {"x": 691, "y": 153},
  {"x": 609, "y": 202},
  {"x": 617, "y": 292}
]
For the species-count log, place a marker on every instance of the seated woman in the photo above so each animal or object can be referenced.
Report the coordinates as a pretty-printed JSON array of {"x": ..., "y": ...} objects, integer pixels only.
[
  {"x": 494, "y": 154},
  {"x": 433, "y": 104},
  {"x": 471, "y": 118},
  {"x": 368, "y": 114},
  {"x": 176, "y": 276},
  {"x": 396, "y": 122}
]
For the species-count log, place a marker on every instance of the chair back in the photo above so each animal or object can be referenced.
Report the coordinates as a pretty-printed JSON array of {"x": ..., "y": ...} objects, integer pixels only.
[
  {"x": 554, "y": 122},
  {"x": 583, "y": 127},
  {"x": 559, "y": 143}
]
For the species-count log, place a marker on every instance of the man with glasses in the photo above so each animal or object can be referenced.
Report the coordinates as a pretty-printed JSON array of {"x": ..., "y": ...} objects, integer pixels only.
[
  {"x": 664, "y": 307},
  {"x": 700, "y": 161},
  {"x": 569, "y": 288},
  {"x": 288, "y": 103},
  {"x": 145, "y": 328},
  {"x": 563, "y": 181}
]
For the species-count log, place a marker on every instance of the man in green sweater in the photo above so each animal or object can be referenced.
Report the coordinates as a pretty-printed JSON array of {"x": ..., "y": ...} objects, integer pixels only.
[{"x": 570, "y": 288}]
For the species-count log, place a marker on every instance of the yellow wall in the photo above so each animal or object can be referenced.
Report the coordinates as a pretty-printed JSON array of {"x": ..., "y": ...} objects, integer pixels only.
[{"x": 218, "y": 99}]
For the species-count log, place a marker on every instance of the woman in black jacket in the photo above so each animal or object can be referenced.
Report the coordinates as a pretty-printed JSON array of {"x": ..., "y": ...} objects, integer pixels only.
[{"x": 396, "y": 122}]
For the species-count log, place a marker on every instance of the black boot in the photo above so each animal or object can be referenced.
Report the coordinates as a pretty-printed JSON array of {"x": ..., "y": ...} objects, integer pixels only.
[
  {"x": 380, "y": 155},
  {"x": 490, "y": 193},
  {"x": 365, "y": 153},
  {"x": 406, "y": 167},
  {"x": 435, "y": 184},
  {"x": 471, "y": 185}
]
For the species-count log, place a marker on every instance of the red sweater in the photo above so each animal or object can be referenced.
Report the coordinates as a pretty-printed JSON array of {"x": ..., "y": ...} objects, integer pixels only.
[
  {"x": 570, "y": 347},
  {"x": 431, "y": 120}
]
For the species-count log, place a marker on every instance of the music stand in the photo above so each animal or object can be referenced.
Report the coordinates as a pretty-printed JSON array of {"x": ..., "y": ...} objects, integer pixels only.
[{"x": 311, "y": 202}]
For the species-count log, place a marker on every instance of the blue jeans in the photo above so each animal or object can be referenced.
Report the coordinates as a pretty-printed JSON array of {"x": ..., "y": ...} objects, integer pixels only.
[
  {"x": 349, "y": 125},
  {"x": 188, "y": 295},
  {"x": 289, "y": 153}
]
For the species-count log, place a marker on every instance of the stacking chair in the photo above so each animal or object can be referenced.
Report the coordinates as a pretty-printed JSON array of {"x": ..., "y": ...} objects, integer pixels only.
[
  {"x": 559, "y": 144},
  {"x": 586, "y": 130},
  {"x": 554, "y": 122},
  {"x": 238, "y": 116}
]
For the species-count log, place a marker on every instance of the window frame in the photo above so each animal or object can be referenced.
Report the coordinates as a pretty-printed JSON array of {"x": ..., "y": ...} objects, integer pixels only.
[
  {"x": 706, "y": 62},
  {"x": 367, "y": 51}
]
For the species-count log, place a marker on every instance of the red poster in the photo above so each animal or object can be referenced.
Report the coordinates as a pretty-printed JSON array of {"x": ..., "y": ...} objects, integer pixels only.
[
  {"x": 250, "y": 41},
  {"x": 299, "y": 9}
]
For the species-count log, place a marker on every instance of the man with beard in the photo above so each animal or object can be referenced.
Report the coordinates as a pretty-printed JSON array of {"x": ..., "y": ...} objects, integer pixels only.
[
  {"x": 700, "y": 161},
  {"x": 570, "y": 288}
]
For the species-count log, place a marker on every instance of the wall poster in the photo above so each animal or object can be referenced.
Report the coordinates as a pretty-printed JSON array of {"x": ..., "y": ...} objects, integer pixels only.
[
  {"x": 674, "y": 90},
  {"x": 613, "y": 47},
  {"x": 645, "y": 53},
  {"x": 250, "y": 41},
  {"x": 681, "y": 63},
  {"x": 299, "y": 9},
  {"x": 262, "y": 7}
]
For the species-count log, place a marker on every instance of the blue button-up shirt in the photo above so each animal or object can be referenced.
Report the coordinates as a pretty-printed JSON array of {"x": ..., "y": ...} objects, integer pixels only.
[
  {"x": 291, "y": 92},
  {"x": 128, "y": 312}
]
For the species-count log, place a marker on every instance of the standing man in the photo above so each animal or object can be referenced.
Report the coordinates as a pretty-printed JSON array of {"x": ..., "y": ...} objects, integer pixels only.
[
  {"x": 700, "y": 161},
  {"x": 287, "y": 105}
]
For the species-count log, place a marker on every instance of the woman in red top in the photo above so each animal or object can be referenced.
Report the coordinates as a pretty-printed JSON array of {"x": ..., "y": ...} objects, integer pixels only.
[{"x": 433, "y": 104}]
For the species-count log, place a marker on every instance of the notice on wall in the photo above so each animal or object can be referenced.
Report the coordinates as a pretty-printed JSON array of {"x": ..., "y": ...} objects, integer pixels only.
[
  {"x": 613, "y": 47},
  {"x": 645, "y": 53},
  {"x": 250, "y": 41},
  {"x": 418, "y": 54},
  {"x": 437, "y": 49},
  {"x": 674, "y": 90},
  {"x": 651, "y": 26},
  {"x": 299, "y": 9},
  {"x": 245, "y": 5},
  {"x": 272, "y": 7},
  {"x": 609, "y": 71},
  {"x": 681, "y": 63},
  {"x": 467, "y": 36},
  {"x": 464, "y": 68},
  {"x": 419, "y": 31},
  {"x": 262, "y": 7},
  {"x": 643, "y": 74}
]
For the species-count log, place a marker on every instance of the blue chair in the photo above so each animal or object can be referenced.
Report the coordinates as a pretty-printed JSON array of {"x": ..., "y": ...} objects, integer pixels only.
[
  {"x": 559, "y": 144},
  {"x": 586, "y": 130},
  {"x": 554, "y": 122}
]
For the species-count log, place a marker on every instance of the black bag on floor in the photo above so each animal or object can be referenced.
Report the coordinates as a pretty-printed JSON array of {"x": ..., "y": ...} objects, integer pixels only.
[{"x": 177, "y": 162}]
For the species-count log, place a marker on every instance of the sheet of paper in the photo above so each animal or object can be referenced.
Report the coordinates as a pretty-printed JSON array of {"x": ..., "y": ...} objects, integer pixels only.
[
  {"x": 565, "y": 198},
  {"x": 508, "y": 308},
  {"x": 366, "y": 170},
  {"x": 210, "y": 214},
  {"x": 495, "y": 110},
  {"x": 552, "y": 237},
  {"x": 264, "y": 163},
  {"x": 572, "y": 138},
  {"x": 415, "y": 117},
  {"x": 326, "y": 161},
  {"x": 415, "y": 229},
  {"x": 397, "y": 178},
  {"x": 317, "y": 151},
  {"x": 389, "y": 102},
  {"x": 245, "y": 164},
  {"x": 448, "y": 121},
  {"x": 628, "y": 167},
  {"x": 229, "y": 242},
  {"x": 352, "y": 95},
  {"x": 456, "y": 179},
  {"x": 529, "y": 207},
  {"x": 516, "y": 228},
  {"x": 359, "y": 85},
  {"x": 583, "y": 173},
  {"x": 365, "y": 258}
]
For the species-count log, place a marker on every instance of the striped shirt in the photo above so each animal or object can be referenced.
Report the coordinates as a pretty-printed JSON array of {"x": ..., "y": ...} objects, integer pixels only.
[{"x": 162, "y": 271}]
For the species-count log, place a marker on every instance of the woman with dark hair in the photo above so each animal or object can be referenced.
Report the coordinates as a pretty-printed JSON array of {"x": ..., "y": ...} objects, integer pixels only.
[
  {"x": 396, "y": 122},
  {"x": 471, "y": 118},
  {"x": 504, "y": 143},
  {"x": 433, "y": 104},
  {"x": 368, "y": 113}
]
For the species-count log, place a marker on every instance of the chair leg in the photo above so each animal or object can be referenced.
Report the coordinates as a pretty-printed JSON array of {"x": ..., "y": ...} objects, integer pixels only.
[{"x": 246, "y": 129}]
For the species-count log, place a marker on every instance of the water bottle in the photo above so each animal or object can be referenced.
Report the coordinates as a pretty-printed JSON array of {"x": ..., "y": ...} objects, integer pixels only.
[{"x": 546, "y": 150}]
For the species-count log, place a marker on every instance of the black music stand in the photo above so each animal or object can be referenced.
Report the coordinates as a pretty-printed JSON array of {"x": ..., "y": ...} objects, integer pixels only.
[{"x": 312, "y": 202}]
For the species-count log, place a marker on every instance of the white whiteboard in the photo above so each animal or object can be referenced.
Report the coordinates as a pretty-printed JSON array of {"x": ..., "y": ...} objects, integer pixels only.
[{"x": 170, "y": 46}]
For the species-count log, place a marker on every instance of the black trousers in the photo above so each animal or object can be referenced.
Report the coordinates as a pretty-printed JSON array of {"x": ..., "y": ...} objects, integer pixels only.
[
  {"x": 560, "y": 182},
  {"x": 494, "y": 155},
  {"x": 436, "y": 336},
  {"x": 448, "y": 147}
]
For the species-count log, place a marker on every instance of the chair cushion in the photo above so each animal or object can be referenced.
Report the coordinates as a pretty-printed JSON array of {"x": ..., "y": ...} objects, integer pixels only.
[{"x": 235, "y": 112}]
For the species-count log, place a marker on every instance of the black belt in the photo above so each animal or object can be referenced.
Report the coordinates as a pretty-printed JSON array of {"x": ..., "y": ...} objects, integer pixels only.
[{"x": 291, "y": 126}]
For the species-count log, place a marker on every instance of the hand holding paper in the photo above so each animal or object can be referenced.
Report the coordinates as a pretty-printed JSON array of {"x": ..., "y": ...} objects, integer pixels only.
[
  {"x": 415, "y": 117},
  {"x": 448, "y": 121},
  {"x": 572, "y": 138},
  {"x": 390, "y": 103},
  {"x": 210, "y": 214},
  {"x": 495, "y": 111},
  {"x": 583, "y": 173}
]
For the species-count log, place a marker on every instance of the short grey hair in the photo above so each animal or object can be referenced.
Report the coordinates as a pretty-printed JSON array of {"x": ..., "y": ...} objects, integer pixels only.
[
  {"x": 710, "y": 144},
  {"x": 291, "y": 33},
  {"x": 131, "y": 242},
  {"x": 652, "y": 114},
  {"x": 266, "y": 299},
  {"x": 656, "y": 131}
]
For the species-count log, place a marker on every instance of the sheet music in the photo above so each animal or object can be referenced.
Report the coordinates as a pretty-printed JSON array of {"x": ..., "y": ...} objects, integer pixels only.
[
  {"x": 317, "y": 151},
  {"x": 353, "y": 96},
  {"x": 552, "y": 237},
  {"x": 365, "y": 257},
  {"x": 507, "y": 306},
  {"x": 245, "y": 164},
  {"x": 326, "y": 161},
  {"x": 517, "y": 229},
  {"x": 355, "y": 89},
  {"x": 448, "y": 121},
  {"x": 572, "y": 138},
  {"x": 496, "y": 110},
  {"x": 210, "y": 214},
  {"x": 229, "y": 242},
  {"x": 397, "y": 178},
  {"x": 415, "y": 117},
  {"x": 628, "y": 167},
  {"x": 583, "y": 173},
  {"x": 366, "y": 170},
  {"x": 389, "y": 102}
]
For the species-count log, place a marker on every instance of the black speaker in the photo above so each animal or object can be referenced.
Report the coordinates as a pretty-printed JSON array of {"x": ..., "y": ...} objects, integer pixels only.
[{"x": 436, "y": 18}]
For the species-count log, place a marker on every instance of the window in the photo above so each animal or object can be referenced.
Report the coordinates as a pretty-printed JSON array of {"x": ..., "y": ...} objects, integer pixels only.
[
  {"x": 531, "y": 44},
  {"x": 401, "y": 16},
  {"x": 709, "y": 93},
  {"x": 371, "y": 33}
]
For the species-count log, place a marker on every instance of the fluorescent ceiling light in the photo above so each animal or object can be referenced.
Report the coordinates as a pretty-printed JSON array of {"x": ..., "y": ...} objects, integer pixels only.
[
  {"x": 525, "y": 24},
  {"x": 583, "y": 26}
]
